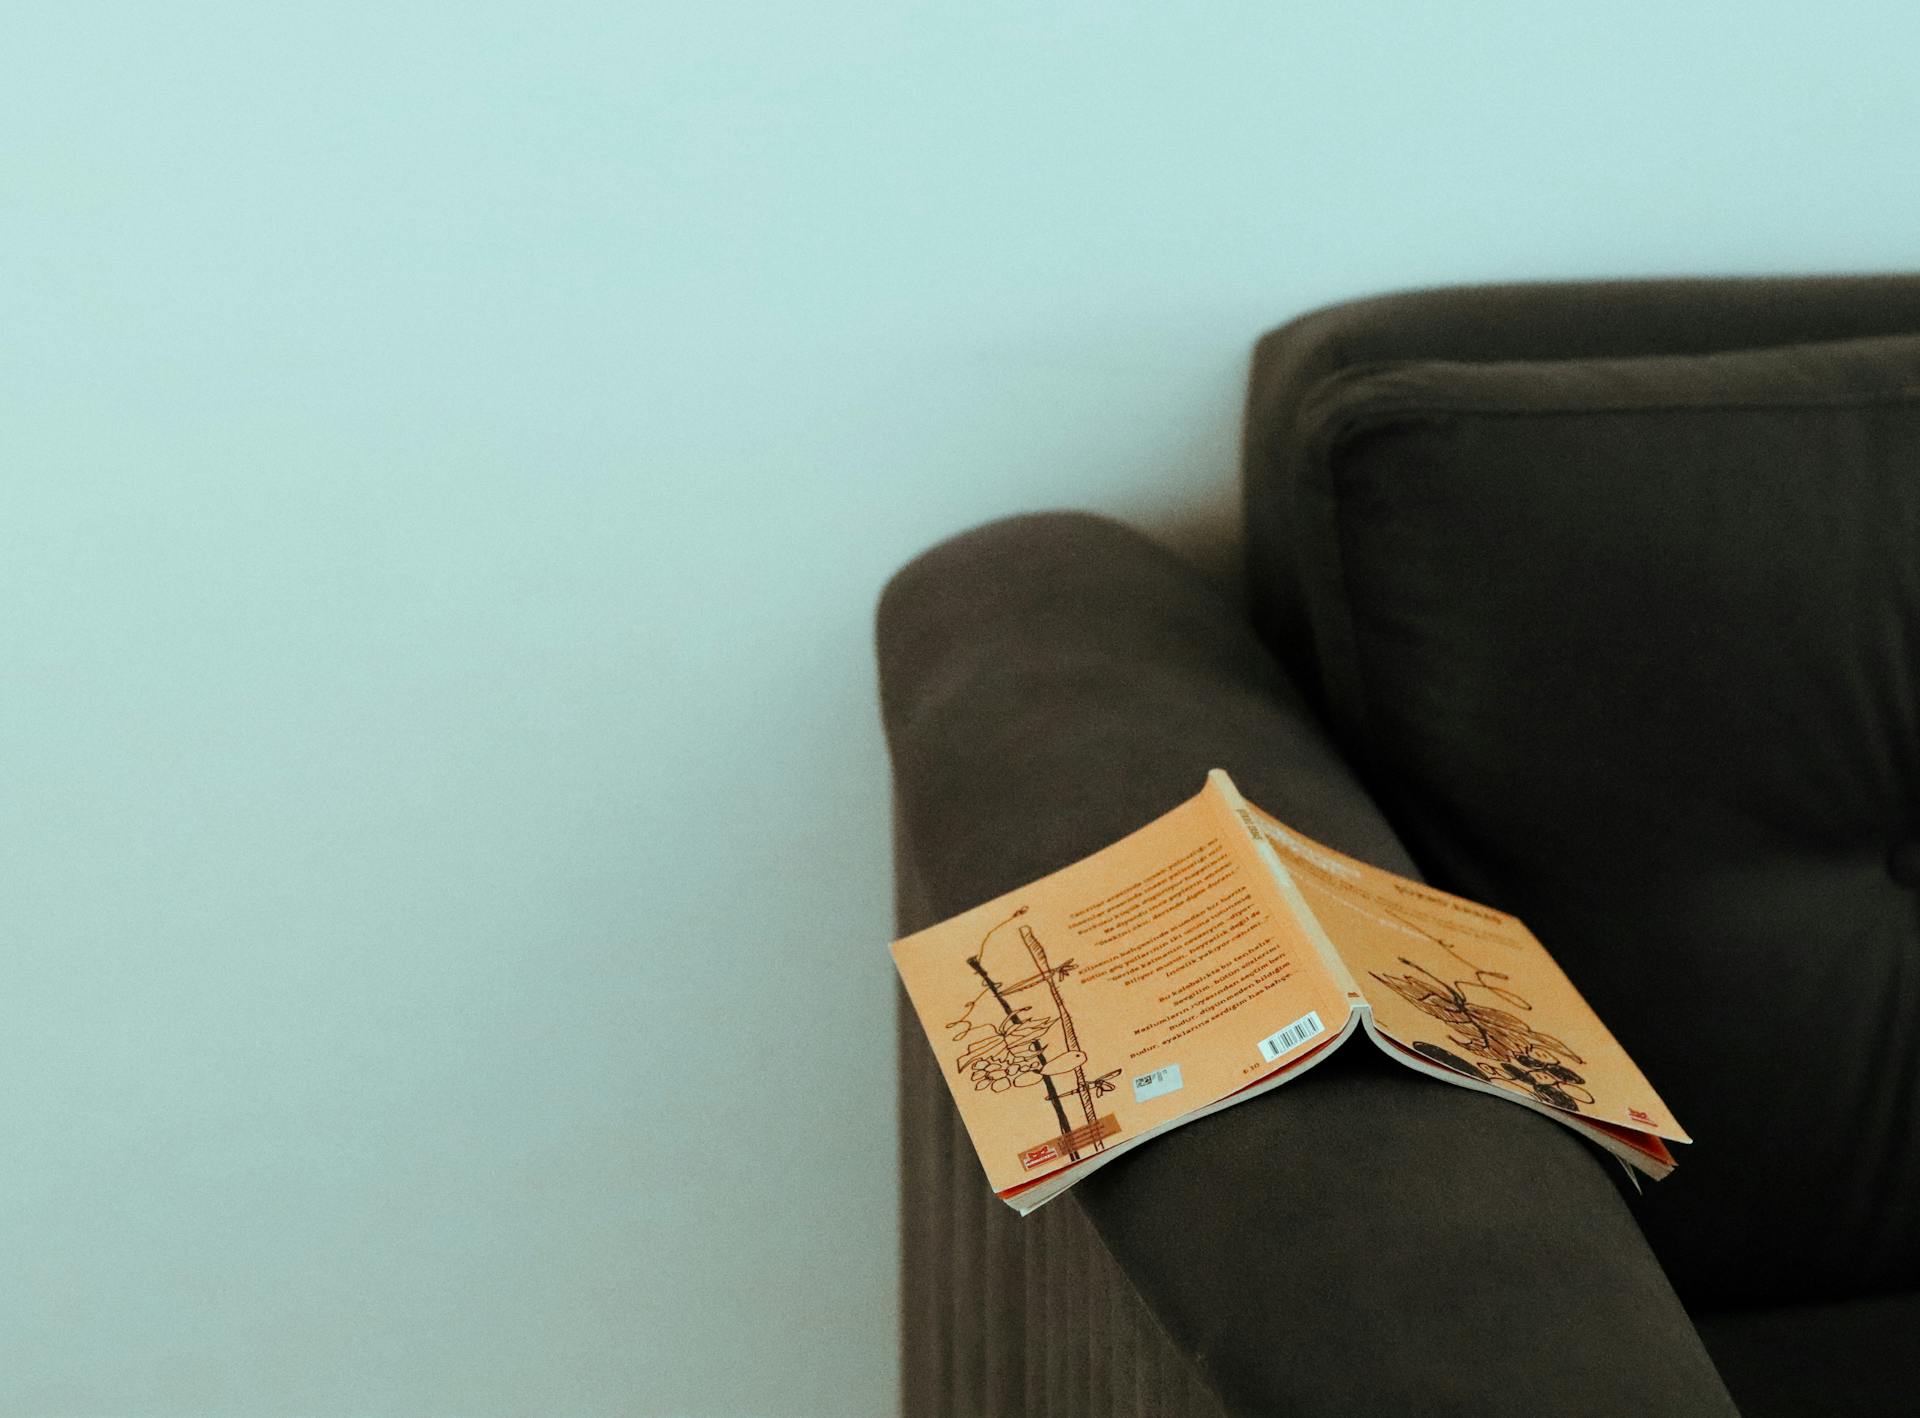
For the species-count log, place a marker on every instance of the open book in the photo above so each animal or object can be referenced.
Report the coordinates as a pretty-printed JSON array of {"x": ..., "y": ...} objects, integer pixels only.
[{"x": 1215, "y": 954}]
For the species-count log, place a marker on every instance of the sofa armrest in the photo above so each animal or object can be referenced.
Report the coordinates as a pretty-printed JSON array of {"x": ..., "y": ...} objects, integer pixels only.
[{"x": 1364, "y": 1241}]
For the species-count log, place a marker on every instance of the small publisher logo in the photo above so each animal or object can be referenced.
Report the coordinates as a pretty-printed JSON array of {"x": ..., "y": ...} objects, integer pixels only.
[
  {"x": 1639, "y": 1117},
  {"x": 1034, "y": 1156}
]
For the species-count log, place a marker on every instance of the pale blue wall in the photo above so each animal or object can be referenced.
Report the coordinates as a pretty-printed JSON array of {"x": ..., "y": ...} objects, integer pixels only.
[{"x": 448, "y": 455}]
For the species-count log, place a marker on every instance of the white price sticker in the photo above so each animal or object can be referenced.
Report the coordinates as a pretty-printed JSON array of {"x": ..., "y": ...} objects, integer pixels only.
[{"x": 1159, "y": 1083}]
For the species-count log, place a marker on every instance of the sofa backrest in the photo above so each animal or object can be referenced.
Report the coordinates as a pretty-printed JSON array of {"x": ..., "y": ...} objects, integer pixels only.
[{"x": 1612, "y": 593}]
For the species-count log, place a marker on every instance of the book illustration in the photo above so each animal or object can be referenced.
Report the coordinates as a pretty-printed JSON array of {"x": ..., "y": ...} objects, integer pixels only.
[
  {"x": 1099, "y": 1006},
  {"x": 1505, "y": 1048},
  {"x": 1024, "y": 1045}
]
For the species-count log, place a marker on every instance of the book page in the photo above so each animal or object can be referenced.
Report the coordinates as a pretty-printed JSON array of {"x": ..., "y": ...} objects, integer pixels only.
[
  {"x": 1470, "y": 989},
  {"x": 1117, "y": 995}
]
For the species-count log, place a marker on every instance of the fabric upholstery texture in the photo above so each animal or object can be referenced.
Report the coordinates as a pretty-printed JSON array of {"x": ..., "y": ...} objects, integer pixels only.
[
  {"x": 1533, "y": 323},
  {"x": 1365, "y": 1241},
  {"x": 1807, "y": 1361},
  {"x": 1631, "y": 648},
  {"x": 1596, "y": 601}
]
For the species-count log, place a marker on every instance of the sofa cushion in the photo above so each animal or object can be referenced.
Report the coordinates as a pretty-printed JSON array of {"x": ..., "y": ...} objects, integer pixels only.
[
  {"x": 1852, "y": 1357},
  {"x": 1631, "y": 648}
]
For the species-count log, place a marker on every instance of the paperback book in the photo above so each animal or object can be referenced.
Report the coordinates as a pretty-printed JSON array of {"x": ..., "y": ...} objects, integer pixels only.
[{"x": 1216, "y": 954}]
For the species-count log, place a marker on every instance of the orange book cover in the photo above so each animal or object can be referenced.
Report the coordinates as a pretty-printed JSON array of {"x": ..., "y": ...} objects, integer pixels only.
[
  {"x": 1214, "y": 954},
  {"x": 1469, "y": 989}
]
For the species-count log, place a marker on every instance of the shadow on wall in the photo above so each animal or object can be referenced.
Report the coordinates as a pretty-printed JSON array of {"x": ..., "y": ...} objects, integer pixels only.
[
  {"x": 1203, "y": 532},
  {"x": 1133, "y": 415}
]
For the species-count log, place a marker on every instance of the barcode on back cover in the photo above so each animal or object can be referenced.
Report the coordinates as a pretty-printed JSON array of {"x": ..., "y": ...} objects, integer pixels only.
[{"x": 1296, "y": 1033}]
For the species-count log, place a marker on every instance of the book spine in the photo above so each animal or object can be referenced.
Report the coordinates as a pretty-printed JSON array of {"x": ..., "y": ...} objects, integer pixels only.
[{"x": 1218, "y": 780}]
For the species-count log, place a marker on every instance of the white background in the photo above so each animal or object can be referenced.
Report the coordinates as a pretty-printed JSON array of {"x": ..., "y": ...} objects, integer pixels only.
[{"x": 448, "y": 457}]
